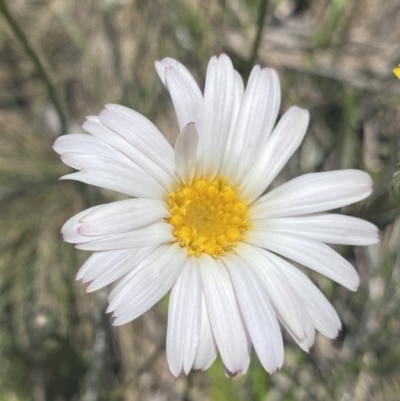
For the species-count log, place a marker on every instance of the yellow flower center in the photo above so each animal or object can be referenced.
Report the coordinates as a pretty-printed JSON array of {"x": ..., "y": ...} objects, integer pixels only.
[{"x": 208, "y": 217}]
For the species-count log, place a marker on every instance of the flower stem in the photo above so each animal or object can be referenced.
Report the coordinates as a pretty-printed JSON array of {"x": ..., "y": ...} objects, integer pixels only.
[
  {"x": 262, "y": 12},
  {"x": 36, "y": 61}
]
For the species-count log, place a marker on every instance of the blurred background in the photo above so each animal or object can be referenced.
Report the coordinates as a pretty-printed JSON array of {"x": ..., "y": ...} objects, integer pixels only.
[{"x": 63, "y": 60}]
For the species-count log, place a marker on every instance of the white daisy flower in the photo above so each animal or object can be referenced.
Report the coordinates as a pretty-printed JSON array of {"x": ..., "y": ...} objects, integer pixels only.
[{"x": 199, "y": 225}]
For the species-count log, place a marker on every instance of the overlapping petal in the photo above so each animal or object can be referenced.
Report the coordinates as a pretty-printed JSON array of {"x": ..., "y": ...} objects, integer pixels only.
[
  {"x": 184, "y": 319},
  {"x": 257, "y": 312},
  {"x": 310, "y": 253},
  {"x": 147, "y": 283},
  {"x": 225, "y": 317},
  {"x": 284, "y": 141}
]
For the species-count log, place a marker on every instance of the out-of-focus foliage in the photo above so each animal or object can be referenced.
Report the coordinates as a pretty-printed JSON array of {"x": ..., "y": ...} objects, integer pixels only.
[{"x": 334, "y": 58}]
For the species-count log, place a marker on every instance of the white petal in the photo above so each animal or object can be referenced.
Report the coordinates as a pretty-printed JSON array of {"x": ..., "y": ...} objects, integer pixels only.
[
  {"x": 284, "y": 141},
  {"x": 310, "y": 253},
  {"x": 90, "y": 145},
  {"x": 312, "y": 193},
  {"x": 226, "y": 320},
  {"x": 69, "y": 230},
  {"x": 287, "y": 304},
  {"x": 186, "y": 152},
  {"x": 94, "y": 126},
  {"x": 184, "y": 315},
  {"x": 185, "y": 94},
  {"x": 110, "y": 174},
  {"x": 237, "y": 97},
  {"x": 207, "y": 348},
  {"x": 98, "y": 262},
  {"x": 147, "y": 142},
  {"x": 162, "y": 65},
  {"x": 329, "y": 228},
  {"x": 322, "y": 313},
  {"x": 257, "y": 313},
  {"x": 145, "y": 285},
  {"x": 214, "y": 124},
  {"x": 109, "y": 272},
  {"x": 153, "y": 235},
  {"x": 256, "y": 118},
  {"x": 122, "y": 216}
]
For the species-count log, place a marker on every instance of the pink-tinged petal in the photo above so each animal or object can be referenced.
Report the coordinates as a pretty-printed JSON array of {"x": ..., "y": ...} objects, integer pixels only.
[
  {"x": 313, "y": 193},
  {"x": 107, "y": 273},
  {"x": 123, "y": 216},
  {"x": 156, "y": 234},
  {"x": 184, "y": 314},
  {"x": 329, "y": 228},
  {"x": 69, "y": 230},
  {"x": 257, "y": 115},
  {"x": 284, "y": 141},
  {"x": 215, "y": 120},
  {"x": 110, "y": 174},
  {"x": 310, "y": 253},
  {"x": 149, "y": 150},
  {"x": 145, "y": 285},
  {"x": 225, "y": 318},
  {"x": 186, "y": 152},
  {"x": 322, "y": 313},
  {"x": 185, "y": 95},
  {"x": 257, "y": 312},
  {"x": 207, "y": 348}
]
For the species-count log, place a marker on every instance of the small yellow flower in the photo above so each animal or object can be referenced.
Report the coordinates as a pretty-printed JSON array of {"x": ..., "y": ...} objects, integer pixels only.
[{"x": 396, "y": 71}]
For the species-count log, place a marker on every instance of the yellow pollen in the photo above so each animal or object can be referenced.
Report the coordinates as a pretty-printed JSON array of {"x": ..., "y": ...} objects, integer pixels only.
[{"x": 208, "y": 216}]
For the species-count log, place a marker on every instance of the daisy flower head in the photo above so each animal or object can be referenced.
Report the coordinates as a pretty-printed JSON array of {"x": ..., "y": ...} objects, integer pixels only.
[{"x": 199, "y": 224}]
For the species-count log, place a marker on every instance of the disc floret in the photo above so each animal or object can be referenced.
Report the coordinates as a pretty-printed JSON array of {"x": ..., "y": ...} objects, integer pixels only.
[{"x": 208, "y": 216}]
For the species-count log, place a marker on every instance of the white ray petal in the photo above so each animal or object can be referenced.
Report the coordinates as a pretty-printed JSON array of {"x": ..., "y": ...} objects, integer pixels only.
[
  {"x": 147, "y": 142},
  {"x": 207, "y": 348},
  {"x": 147, "y": 283},
  {"x": 226, "y": 320},
  {"x": 216, "y": 115},
  {"x": 313, "y": 193},
  {"x": 99, "y": 262},
  {"x": 237, "y": 97},
  {"x": 287, "y": 304},
  {"x": 94, "y": 126},
  {"x": 310, "y": 253},
  {"x": 322, "y": 313},
  {"x": 257, "y": 116},
  {"x": 123, "y": 216},
  {"x": 185, "y": 95},
  {"x": 329, "y": 228},
  {"x": 153, "y": 235},
  {"x": 257, "y": 313},
  {"x": 69, "y": 230},
  {"x": 110, "y": 174},
  {"x": 184, "y": 315},
  {"x": 186, "y": 152},
  {"x": 284, "y": 141},
  {"x": 88, "y": 144},
  {"x": 108, "y": 273}
]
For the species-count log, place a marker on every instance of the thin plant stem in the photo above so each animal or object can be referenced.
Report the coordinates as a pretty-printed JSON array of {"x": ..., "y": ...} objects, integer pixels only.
[
  {"x": 38, "y": 64},
  {"x": 262, "y": 12}
]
